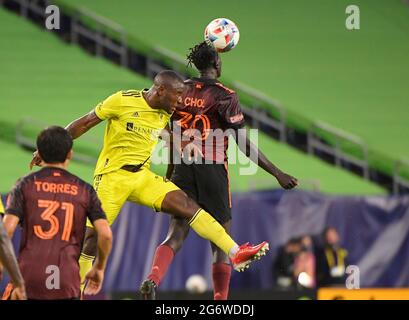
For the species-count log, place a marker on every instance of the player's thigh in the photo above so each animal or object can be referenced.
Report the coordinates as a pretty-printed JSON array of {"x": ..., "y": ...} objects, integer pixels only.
[
  {"x": 113, "y": 190},
  {"x": 213, "y": 190},
  {"x": 150, "y": 189},
  {"x": 183, "y": 176}
]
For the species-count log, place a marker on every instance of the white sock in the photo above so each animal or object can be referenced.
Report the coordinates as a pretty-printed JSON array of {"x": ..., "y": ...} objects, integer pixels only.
[{"x": 233, "y": 251}]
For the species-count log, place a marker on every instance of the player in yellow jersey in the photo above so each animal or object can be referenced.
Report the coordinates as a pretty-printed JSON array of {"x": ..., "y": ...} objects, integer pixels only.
[{"x": 135, "y": 120}]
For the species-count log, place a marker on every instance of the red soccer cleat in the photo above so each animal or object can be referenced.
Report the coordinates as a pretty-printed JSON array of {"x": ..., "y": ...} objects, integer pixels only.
[{"x": 247, "y": 254}]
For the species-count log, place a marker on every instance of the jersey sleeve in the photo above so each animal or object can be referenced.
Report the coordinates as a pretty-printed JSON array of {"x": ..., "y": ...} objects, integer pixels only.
[
  {"x": 15, "y": 201},
  {"x": 230, "y": 111},
  {"x": 110, "y": 107},
  {"x": 94, "y": 210}
]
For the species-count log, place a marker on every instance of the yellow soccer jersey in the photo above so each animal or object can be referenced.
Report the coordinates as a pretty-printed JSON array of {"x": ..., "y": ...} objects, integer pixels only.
[
  {"x": 1, "y": 207},
  {"x": 132, "y": 130}
]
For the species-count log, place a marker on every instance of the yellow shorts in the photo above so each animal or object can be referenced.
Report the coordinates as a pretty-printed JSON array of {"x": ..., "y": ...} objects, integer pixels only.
[{"x": 142, "y": 187}]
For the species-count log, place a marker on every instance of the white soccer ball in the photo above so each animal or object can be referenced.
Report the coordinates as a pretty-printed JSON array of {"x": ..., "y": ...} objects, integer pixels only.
[
  {"x": 196, "y": 283},
  {"x": 223, "y": 34}
]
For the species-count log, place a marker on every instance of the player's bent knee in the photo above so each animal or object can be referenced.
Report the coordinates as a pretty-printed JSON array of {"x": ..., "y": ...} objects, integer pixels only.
[
  {"x": 190, "y": 205},
  {"x": 178, "y": 203}
]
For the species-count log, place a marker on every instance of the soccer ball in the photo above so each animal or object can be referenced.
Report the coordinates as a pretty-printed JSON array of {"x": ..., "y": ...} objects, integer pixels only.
[
  {"x": 223, "y": 34},
  {"x": 196, "y": 283}
]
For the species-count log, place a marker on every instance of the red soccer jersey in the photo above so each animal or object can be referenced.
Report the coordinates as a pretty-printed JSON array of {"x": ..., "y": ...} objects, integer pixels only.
[
  {"x": 52, "y": 205},
  {"x": 210, "y": 108}
]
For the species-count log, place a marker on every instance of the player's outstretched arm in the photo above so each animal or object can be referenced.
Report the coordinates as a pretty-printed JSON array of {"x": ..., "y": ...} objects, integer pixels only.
[
  {"x": 250, "y": 150},
  {"x": 76, "y": 129},
  {"x": 9, "y": 260},
  {"x": 95, "y": 276}
]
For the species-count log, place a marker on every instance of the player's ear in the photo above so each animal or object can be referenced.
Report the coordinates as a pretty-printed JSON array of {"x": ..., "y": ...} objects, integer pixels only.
[
  {"x": 39, "y": 155},
  {"x": 70, "y": 154}
]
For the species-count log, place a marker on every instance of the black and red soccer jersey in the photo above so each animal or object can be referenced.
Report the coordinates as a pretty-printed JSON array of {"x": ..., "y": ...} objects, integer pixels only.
[
  {"x": 52, "y": 205},
  {"x": 209, "y": 109}
]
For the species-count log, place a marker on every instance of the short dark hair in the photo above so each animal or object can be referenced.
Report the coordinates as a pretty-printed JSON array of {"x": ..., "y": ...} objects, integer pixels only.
[
  {"x": 203, "y": 56},
  {"x": 167, "y": 78},
  {"x": 53, "y": 144}
]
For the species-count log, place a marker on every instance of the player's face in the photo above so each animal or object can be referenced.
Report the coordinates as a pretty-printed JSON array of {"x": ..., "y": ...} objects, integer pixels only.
[{"x": 174, "y": 97}]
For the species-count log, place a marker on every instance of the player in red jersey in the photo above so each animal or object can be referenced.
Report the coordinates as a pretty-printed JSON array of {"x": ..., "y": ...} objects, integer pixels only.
[
  {"x": 209, "y": 110},
  {"x": 52, "y": 206}
]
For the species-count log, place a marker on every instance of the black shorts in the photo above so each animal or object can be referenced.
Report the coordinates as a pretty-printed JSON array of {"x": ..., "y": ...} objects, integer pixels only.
[{"x": 208, "y": 185}]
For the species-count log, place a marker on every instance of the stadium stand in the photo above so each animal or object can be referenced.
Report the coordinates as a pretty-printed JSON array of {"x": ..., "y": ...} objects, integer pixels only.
[
  {"x": 51, "y": 87},
  {"x": 315, "y": 66},
  {"x": 14, "y": 162},
  {"x": 46, "y": 81}
]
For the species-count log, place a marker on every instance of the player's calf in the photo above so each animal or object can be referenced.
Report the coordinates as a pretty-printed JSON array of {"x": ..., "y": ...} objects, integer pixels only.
[{"x": 178, "y": 231}]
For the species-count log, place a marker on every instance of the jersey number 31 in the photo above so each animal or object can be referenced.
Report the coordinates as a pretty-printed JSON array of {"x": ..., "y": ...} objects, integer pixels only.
[{"x": 48, "y": 214}]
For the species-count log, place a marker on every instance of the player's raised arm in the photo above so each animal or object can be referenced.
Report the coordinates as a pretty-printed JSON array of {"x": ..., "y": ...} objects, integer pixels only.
[
  {"x": 250, "y": 150},
  {"x": 76, "y": 129},
  {"x": 104, "y": 110},
  {"x": 80, "y": 126},
  {"x": 231, "y": 112}
]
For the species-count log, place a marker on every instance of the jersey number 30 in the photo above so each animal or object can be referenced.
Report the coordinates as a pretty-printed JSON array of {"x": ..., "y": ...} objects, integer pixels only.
[
  {"x": 48, "y": 214},
  {"x": 188, "y": 122}
]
